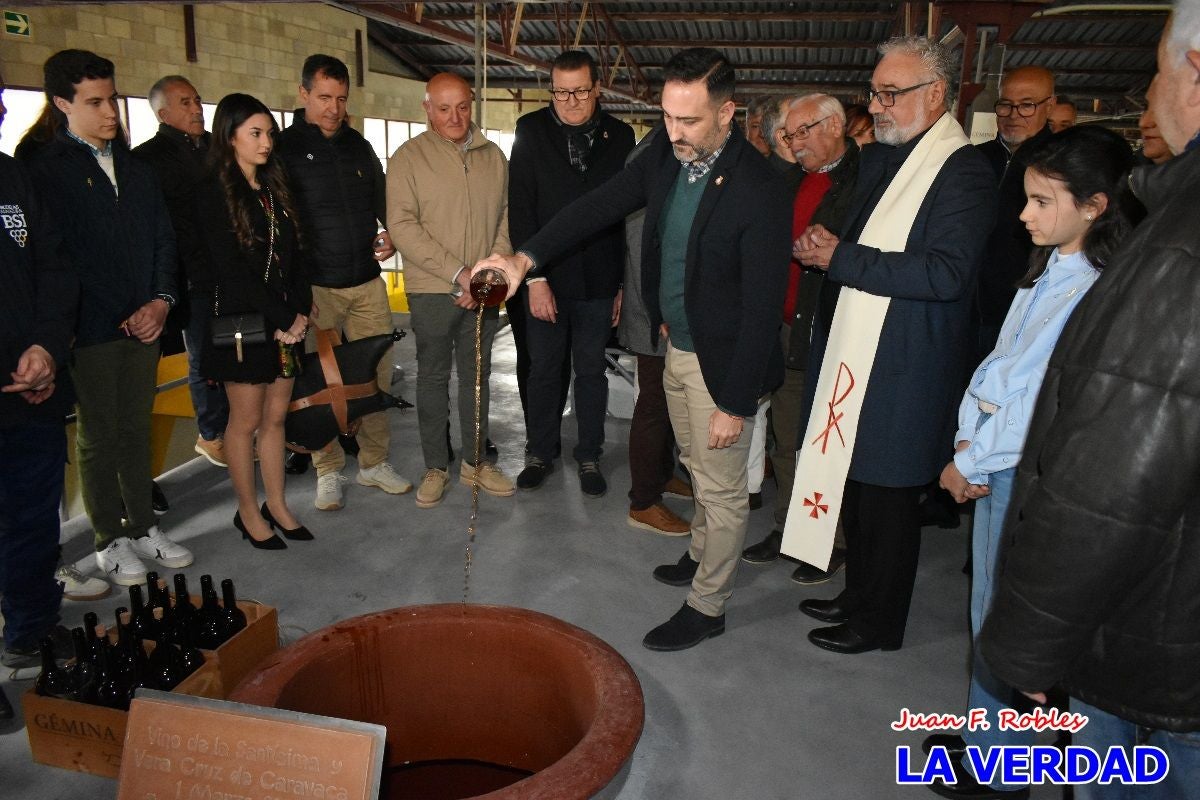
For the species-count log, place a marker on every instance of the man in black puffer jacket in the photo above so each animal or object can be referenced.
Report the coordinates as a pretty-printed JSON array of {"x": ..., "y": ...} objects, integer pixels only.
[
  {"x": 1100, "y": 587},
  {"x": 338, "y": 184}
]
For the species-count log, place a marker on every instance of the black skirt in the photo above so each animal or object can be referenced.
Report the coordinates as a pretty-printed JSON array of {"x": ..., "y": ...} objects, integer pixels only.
[{"x": 260, "y": 362}]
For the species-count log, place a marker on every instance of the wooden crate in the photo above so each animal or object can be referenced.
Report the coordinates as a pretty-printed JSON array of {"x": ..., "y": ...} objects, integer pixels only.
[{"x": 89, "y": 738}]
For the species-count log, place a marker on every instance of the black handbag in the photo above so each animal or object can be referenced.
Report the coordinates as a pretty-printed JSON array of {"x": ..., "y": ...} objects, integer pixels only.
[
  {"x": 237, "y": 330},
  {"x": 247, "y": 327}
]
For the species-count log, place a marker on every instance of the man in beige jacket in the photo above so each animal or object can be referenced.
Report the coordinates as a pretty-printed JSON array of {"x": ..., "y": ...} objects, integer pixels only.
[{"x": 447, "y": 207}]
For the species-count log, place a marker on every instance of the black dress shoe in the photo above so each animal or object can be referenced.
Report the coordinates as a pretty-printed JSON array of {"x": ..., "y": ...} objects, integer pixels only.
[
  {"x": 301, "y": 534},
  {"x": 965, "y": 785},
  {"x": 297, "y": 463},
  {"x": 534, "y": 474},
  {"x": 954, "y": 744},
  {"x": 679, "y": 573},
  {"x": 844, "y": 639},
  {"x": 825, "y": 610},
  {"x": 158, "y": 499},
  {"x": 808, "y": 575},
  {"x": 686, "y": 628},
  {"x": 274, "y": 543},
  {"x": 765, "y": 551}
]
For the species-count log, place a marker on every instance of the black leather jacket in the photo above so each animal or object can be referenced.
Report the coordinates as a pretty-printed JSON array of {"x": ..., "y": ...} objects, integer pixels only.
[{"x": 1100, "y": 584}]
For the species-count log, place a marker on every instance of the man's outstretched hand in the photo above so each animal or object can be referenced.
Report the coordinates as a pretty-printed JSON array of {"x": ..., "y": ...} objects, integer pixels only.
[{"x": 513, "y": 267}]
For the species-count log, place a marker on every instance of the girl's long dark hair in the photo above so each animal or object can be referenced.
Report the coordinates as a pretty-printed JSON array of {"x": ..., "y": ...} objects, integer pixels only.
[
  {"x": 1089, "y": 160},
  {"x": 232, "y": 113}
]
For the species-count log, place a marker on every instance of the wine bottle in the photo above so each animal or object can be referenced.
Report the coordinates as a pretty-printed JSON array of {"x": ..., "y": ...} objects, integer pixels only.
[
  {"x": 166, "y": 622},
  {"x": 208, "y": 624},
  {"x": 234, "y": 618},
  {"x": 140, "y": 622},
  {"x": 90, "y": 621},
  {"x": 165, "y": 663},
  {"x": 126, "y": 659},
  {"x": 111, "y": 690},
  {"x": 149, "y": 626},
  {"x": 121, "y": 616},
  {"x": 53, "y": 680},
  {"x": 82, "y": 669},
  {"x": 191, "y": 657},
  {"x": 183, "y": 601},
  {"x": 141, "y": 679}
]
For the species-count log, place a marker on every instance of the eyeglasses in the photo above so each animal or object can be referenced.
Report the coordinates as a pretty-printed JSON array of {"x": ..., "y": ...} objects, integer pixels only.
[
  {"x": 802, "y": 131},
  {"x": 561, "y": 95},
  {"x": 887, "y": 97},
  {"x": 1003, "y": 108}
]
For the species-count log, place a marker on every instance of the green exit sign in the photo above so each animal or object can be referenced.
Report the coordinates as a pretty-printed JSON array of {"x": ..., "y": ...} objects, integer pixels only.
[{"x": 16, "y": 23}]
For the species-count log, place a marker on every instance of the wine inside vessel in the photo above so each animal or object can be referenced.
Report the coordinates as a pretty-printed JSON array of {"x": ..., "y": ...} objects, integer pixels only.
[{"x": 489, "y": 287}]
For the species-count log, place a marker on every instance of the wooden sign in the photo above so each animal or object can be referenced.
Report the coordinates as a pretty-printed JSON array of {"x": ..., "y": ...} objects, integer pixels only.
[{"x": 191, "y": 748}]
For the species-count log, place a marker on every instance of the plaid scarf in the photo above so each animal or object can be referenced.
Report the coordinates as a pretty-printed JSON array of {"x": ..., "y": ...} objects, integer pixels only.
[{"x": 579, "y": 138}]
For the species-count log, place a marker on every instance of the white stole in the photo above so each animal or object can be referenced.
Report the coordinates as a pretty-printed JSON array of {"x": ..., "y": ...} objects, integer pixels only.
[{"x": 823, "y": 461}]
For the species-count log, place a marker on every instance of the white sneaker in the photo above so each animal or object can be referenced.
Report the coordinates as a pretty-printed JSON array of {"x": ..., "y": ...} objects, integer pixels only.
[
  {"x": 329, "y": 491},
  {"x": 385, "y": 477},
  {"x": 156, "y": 546},
  {"x": 120, "y": 563},
  {"x": 78, "y": 587}
]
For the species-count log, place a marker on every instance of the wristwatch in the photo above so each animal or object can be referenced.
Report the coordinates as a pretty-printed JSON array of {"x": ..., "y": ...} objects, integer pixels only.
[{"x": 166, "y": 298}]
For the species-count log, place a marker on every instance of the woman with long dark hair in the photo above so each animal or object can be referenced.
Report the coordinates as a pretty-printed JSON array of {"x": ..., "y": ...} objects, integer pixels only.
[{"x": 247, "y": 222}]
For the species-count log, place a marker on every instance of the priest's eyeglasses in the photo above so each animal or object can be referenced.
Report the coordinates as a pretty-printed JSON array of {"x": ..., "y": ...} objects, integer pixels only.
[
  {"x": 1004, "y": 108},
  {"x": 561, "y": 95},
  {"x": 887, "y": 97}
]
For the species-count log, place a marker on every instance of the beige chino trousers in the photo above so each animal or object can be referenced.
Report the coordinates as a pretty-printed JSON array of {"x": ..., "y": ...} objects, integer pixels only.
[
  {"x": 358, "y": 312},
  {"x": 718, "y": 481}
]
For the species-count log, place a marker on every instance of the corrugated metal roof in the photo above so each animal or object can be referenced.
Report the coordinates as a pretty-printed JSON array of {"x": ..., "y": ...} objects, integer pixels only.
[{"x": 774, "y": 45}]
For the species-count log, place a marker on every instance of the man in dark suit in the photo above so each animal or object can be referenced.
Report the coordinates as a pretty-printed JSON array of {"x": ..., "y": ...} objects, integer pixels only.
[
  {"x": 914, "y": 383},
  {"x": 1022, "y": 113},
  {"x": 560, "y": 153},
  {"x": 177, "y": 154},
  {"x": 715, "y": 250}
]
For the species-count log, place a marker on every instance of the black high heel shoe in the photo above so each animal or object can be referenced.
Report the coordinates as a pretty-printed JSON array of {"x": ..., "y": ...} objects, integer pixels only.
[
  {"x": 301, "y": 534},
  {"x": 274, "y": 543}
]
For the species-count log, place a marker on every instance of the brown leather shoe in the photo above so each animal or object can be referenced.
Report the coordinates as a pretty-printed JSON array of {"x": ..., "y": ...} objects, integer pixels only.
[
  {"x": 678, "y": 486},
  {"x": 660, "y": 519}
]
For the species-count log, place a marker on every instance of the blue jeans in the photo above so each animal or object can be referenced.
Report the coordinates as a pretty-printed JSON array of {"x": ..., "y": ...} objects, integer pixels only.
[
  {"x": 1105, "y": 730},
  {"x": 209, "y": 401},
  {"x": 32, "y": 458},
  {"x": 987, "y": 691}
]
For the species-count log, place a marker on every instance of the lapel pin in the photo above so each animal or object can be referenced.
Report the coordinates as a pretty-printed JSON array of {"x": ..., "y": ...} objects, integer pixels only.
[
  {"x": 89, "y": 182},
  {"x": 720, "y": 180},
  {"x": 604, "y": 135},
  {"x": 310, "y": 157}
]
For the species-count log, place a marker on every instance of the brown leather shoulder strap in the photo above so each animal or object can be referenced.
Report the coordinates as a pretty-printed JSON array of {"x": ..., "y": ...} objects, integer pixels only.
[
  {"x": 333, "y": 377},
  {"x": 355, "y": 391}
]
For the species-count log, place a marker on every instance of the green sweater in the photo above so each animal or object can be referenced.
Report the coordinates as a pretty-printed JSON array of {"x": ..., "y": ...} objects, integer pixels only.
[{"x": 674, "y": 227}]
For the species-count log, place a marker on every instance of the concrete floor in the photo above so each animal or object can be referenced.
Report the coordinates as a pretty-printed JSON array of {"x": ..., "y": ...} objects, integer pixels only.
[{"x": 757, "y": 713}]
